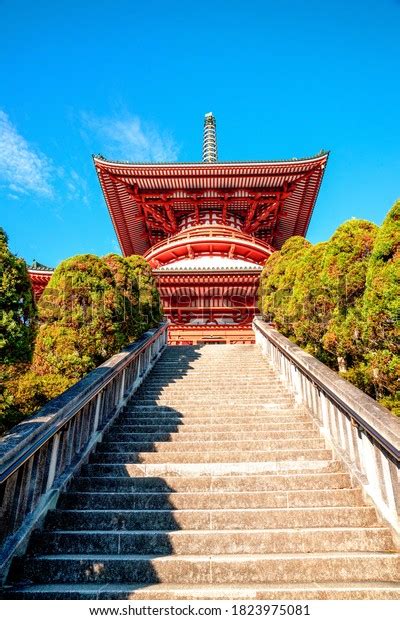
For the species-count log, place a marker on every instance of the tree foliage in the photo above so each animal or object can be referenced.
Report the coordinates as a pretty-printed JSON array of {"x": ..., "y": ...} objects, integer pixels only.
[
  {"x": 81, "y": 318},
  {"x": 310, "y": 308},
  {"x": 141, "y": 300},
  {"x": 89, "y": 310},
  {"x": 17, "y": 324},
  {"x": 127, "y": 284},
  {"x": 381, "y": 311},
  {"x": 150, "y": 312},
  {"x": 343, "y": 276},
  {"x": 17, "y": 307},
  {"x": 277, "y": 280},
  {"x": 340, "y": 301}
]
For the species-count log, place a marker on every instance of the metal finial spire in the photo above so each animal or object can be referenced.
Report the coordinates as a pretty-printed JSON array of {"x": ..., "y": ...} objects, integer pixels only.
[{"x": 210, "y": 139}]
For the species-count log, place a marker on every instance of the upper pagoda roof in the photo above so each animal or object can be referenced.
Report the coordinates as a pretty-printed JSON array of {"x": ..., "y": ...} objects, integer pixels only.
[{"x": 274, "y": 199}]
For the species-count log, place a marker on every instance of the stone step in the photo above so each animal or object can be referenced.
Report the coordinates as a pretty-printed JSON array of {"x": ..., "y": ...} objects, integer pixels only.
[
  {"x": 210, "y": 446},
  {"x": 212, "y": 484},
  {"x": 241, "y": 367},
  {"x": 148, "y": 425},
  {"x": 267, "y": 410},
  {"x": 370, "y": 590},
  {"x": 213, "y": 478},
  {"x": 249, "y": 366},
  {"x": 121, "y": 435},
  {"x": 216, "y": 456},
  {"x": 234, "y": 519},
  {"x": 243, "y": 371},
  {"x": 200, "y": 383},
  {"x": 215, "y": 405},
  {"x": 274, "y": 414},
  {"x": 214, "y": 569},
  {"x": 208, "y": 400},
  {"x": 205, "y": 360},
  {"x": 221, "y": 369},
  {"x": 224, "y": 391},
  {"x": 207, "y": 501},
  {"x": 213, "y": 395},
  {"x": 235, "y": 421},
  {"x": 228, "y": 408},
  {"x": 210, "y": 416},
  {"x": 206, "y": 469},
  {"x": 245, "y": 405},
  {"x": 269, "y": 378},
  {"x": 203, "y": 542}
]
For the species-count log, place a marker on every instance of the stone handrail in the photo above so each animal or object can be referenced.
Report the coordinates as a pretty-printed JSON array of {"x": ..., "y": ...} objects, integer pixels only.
[
  {"x": 365, "y": 435},
  {"x": 40, "y": 454}
]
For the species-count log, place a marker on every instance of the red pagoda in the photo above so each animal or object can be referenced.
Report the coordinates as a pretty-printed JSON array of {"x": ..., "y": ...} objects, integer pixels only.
[
  {"x": 40, "y": 276},
  {"x": 207, "y": 229}
]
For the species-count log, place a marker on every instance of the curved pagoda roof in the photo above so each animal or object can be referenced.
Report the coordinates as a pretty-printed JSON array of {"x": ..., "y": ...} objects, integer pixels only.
[
  {"x": 146, "y": 201},
  {"x": 36, "y": 266}
]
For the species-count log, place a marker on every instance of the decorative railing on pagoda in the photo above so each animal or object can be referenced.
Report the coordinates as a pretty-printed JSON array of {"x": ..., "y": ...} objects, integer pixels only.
[
  {"x": 364, "y": 435},
  {"x": 211, "y": 240},
  {"x": 40, "y": 455}
]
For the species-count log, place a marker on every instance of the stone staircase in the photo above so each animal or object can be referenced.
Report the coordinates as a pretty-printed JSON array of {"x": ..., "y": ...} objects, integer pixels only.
[{"x": 211, "y": 484}]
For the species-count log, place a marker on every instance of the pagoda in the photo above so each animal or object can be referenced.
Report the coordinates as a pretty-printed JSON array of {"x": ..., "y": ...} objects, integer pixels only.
[{"x": 207, "y": 229}]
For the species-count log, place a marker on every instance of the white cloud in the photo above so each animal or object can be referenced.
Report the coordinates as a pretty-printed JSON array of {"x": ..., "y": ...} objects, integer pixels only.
[
  {"x": 76, "y": 187},
  {"x": 132, "y": 139},
  {"x": 23, "y": 168}
]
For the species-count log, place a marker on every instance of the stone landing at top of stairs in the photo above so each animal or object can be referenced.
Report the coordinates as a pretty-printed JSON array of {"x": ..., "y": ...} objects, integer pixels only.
[{"x": 211, "y": 484}]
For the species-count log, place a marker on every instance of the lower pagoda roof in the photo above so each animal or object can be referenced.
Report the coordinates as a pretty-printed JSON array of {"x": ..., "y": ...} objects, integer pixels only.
[
  {"x": 39, "y": 267},
  {"x": 209, "y": 264},
  {"x": 147, "y": 201}
]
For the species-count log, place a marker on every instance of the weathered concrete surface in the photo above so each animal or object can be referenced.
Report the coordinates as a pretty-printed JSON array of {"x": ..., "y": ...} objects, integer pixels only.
[{"x": 212, "y": 484}]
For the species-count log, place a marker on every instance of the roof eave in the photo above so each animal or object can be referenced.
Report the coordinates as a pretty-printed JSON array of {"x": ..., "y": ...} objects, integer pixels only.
[{"x": 99, "y": 159}]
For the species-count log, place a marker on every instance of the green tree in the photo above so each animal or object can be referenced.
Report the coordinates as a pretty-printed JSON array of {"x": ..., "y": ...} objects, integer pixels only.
[
  {"x": 310, "y": 307},
  {"x": 127, "y": 283},
  {"x": 17, "y": 307},
  {"x": 150, "y": 311},
  {"x": 82, "y": 318},
  {"x": 381, "y": 312},
  {"x": 17, "y": 325},
  {"x": 277, "y": 280},
  {"x": 89, "y": 310},
  {"x": 343, "y": 277}
]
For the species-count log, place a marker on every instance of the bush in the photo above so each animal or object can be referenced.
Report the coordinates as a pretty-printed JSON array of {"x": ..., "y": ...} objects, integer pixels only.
[
  {"x": 17, "y": 325},
  {"x": 277, "y": 281},
  {"x": 26, "y": 392},
  {"x": 89, "y": 310},
  {"x": 310, "y": 306},
  {"x": 150, "y": 311},
  {"x": 381, "y": 310},
  {"x": 82, "y": 318},
  {"x": 17, "y": 307},
  {"x": 340, "y": 301},
  {"x": 343, "y": 276}
]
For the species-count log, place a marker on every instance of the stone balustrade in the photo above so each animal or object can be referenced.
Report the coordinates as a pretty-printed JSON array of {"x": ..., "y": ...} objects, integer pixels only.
[
  {"x": 39, "y": 456},
  {"x": 365, "y": 435}
]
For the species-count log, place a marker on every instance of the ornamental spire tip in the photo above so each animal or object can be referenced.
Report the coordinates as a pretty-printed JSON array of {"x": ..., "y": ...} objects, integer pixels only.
[{"x": 209, "y": 139}]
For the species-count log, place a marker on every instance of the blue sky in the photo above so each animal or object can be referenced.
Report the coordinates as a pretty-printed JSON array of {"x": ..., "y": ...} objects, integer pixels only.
[{"x": 132, "y": 80}]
